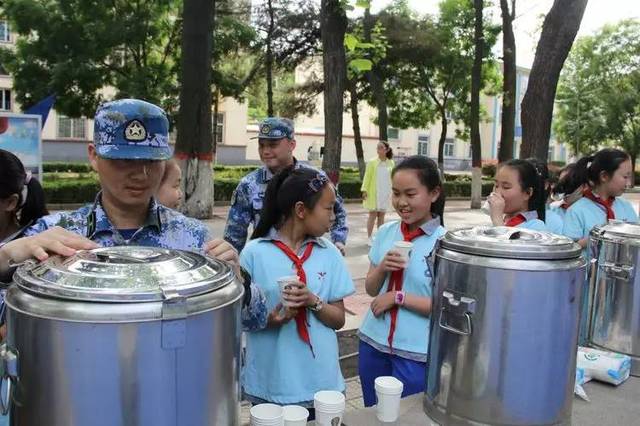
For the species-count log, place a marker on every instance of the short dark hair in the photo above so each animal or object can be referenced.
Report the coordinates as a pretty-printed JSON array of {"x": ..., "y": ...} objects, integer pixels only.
[{"x": 530, "y": 177}]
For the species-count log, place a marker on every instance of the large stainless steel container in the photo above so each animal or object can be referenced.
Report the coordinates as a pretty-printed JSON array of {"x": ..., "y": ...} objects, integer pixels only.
[
  {"x": 123, "y": 336},
  {"x": 615, "y": 309},
  {"x": 504, "y": 327}
]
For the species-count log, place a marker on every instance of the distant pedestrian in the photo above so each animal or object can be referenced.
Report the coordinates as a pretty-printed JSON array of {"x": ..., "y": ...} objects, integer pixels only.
[{"x": 376, "y": 186}]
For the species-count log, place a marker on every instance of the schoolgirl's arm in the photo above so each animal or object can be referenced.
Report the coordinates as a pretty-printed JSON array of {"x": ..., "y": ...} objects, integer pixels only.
[
  {"x": 376, "y": 275},
  {"x": 421, "y": 305},
  {"x": 332, "y": 314}
]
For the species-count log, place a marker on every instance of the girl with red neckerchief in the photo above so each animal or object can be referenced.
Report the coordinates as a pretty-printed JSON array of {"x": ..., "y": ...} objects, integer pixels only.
[
  {"x": 518, "y": 197},
  {"x": 605, "y": 175},
  {"x": 395, "y": 332}
]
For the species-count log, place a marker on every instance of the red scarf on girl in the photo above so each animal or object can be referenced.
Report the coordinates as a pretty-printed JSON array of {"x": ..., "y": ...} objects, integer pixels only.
[
  {"x": 301, "y": 317},
  {"x": 607, "y": 204},
  {"x": 516, "y": 220},
  {"x": 395, "y": 280}
]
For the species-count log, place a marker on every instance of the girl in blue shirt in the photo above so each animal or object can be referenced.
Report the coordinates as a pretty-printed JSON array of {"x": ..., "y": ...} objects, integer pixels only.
[
  {"x": 395, "y": 333},
  {"x": 297, "y": 354},
  {"x": 605, "y": 176},
  {"x": 567, "y": 191},
  {"x": 518, "y": 197}
]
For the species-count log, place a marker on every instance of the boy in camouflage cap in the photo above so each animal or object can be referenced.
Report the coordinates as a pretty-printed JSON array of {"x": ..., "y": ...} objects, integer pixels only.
[{"x": 131, "y": 144}]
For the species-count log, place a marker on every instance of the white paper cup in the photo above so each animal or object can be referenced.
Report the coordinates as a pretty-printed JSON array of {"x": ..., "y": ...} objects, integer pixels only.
[
  {"x": 329, "y": 405},
  {"x": 404, "y": 248},
  {"x": 284, "y": 282},
  {"x": 388, "y": 392},
  {"x": 266, "y": 415},
  {"x": 295, "y": 415},
  {"x": 486, "y": 208}
]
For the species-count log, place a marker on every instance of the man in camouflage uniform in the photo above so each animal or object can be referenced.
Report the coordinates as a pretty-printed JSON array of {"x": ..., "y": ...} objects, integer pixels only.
[
  {"x": 276, "y": 142},
  {"x": 131, "y": 144}
]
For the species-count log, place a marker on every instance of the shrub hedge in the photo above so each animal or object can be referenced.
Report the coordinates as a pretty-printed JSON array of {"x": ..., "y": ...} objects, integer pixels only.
[{"x": 83, "y": 190}]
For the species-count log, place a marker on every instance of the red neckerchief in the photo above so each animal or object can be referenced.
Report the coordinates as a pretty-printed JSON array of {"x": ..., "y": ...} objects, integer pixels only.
[
  {"x": 516, "y": 220},
  {"x": 564, "y": 206},
  {"x": 607, "y": 204},
  {"x": 395, "y": 280},
  {"x": 301, "y": 317}
]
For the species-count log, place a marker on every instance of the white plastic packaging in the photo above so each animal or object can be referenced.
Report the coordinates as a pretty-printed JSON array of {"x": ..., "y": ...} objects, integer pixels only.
[{"x": 609, "y": 367}]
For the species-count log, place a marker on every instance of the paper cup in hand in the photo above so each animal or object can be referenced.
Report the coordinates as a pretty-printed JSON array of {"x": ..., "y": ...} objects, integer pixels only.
[
  {"x": 404, "y": 248},
  {"x": 486, "y": 208},
  {"x": 266, "y": 415},
  {"x": 295, "y": 415},
  {"x": 284, "y": 283},
  {"x": 329, "y": 407},
  {"x": 388, "y": 393}
]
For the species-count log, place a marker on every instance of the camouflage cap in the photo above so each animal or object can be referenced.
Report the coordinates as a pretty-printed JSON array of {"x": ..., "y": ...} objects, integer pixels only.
[
  {"x": 275, "y": 128},
  {"x": 131, "y": 129}
]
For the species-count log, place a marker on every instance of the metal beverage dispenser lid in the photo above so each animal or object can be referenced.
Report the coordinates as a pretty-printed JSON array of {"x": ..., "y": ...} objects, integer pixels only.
[
  {"x": 510, "y": 243},
  {"x": 124, "y": 274},
  {"x": 618, "y": 230}
]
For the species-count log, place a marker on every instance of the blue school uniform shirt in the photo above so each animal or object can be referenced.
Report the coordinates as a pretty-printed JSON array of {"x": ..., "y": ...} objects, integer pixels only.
[
  {"x": 584, "y": 214},
  {"x": 554, "y": 219},
  {"x": 279, "y": 366},
  {"x": 412, "y": 329}
]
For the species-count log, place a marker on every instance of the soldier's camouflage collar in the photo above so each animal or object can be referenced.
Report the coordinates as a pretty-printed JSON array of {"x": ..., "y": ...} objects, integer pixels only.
[{"x": 98, "y": 221}]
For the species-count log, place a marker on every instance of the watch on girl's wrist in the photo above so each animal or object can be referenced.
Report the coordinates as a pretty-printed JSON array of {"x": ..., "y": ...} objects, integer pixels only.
[{"x": 399, "y": 298}]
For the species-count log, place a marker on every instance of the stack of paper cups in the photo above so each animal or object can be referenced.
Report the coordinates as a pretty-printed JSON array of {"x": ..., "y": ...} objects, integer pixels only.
[
  {"x": 388, "y": 392},
  {"x": 329, "y": 407},
  {"x": 266, "y": 415},
  {"x": 295, "y": 415}
]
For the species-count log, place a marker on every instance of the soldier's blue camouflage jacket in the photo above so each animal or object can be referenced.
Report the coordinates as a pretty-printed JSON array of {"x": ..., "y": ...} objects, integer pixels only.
[
  {"x": 164, "y": 228},
  {"x": 246, "y": 204}
]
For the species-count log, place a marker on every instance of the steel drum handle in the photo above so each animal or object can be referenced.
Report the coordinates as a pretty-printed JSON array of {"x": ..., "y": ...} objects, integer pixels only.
[
  {"x": 458, "y": 306},
  {"x": 9, "y": 371}
]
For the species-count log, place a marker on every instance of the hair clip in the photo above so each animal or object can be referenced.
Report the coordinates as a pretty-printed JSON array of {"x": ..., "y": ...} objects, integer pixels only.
[{"x": 318, "y": 182}]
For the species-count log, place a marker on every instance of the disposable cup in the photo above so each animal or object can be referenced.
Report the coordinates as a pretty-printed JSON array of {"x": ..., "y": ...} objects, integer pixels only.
[
  {"x": 329, "y": 406},
  {"x": 388, "y": 393},
  {"x": 266, "y": 415},
  {"x": 404, "y": 248},
  {"x": 284, "y": 283},
  {"x": 295, "y": 415}
]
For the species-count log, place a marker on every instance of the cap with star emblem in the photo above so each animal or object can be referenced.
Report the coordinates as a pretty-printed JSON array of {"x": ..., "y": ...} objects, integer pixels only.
[
  {"x": 275, "y": 128},
  {"x": 131, "y": 129}
]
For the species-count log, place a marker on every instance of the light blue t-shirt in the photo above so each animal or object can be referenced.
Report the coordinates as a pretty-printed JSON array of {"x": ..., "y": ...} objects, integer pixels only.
[
  {"x": 584, "y": 214},
  {"x": 279, "y": 366},
  {"x": 554, "y": 220},
  {"x": 412, "y": 329}
]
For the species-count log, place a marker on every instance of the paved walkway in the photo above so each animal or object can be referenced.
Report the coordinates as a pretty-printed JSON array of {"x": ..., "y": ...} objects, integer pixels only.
[{"x": 457, "y": 215}]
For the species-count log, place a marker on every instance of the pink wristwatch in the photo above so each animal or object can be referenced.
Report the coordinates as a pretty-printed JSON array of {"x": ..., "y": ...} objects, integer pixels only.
[{"x": 399, "y": 298}]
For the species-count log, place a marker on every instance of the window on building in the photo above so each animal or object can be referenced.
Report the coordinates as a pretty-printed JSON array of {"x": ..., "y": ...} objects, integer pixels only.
[
  {"x": 5, "y": 99},
  {"x": 5, "y": 32},
  {"x": 72, "y": 128},
  {"x": 219, "y": 135},
  {"x": 470, "y": 153},
  {"x": 449, "y": 145},
  {"x": 423, "y": 145},
  {"x": 393, "y": 133}
]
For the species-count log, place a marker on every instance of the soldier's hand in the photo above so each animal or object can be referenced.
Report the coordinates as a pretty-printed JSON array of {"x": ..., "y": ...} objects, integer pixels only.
[
  {"x": 55, "y": 240},
  {"x": 222, "y": 250}
]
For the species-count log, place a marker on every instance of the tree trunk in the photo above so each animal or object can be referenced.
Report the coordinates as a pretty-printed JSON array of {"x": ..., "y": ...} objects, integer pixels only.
[
  {"x": 476, "y": 81},
  {"x": 194, "y": 149},
  {"x": 507, "y": 133},
  {"x": 355, "y": 117},
  {"x": 558, "y": 32},
  {"x": 269, "y": 60},
  {"x": 377, "y": 85},
  {"x": 443, "y": 138},
  {"x": 333, "y": 26},
  {"x": 214, "y": 125}
]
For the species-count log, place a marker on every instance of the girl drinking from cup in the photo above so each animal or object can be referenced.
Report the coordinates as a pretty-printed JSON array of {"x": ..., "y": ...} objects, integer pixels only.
[
  {"x": 605, "y": 176},
  {"x": 297, "y": 354},
  {"x": 394, "y": 334},
  {"x": 518, "y": 197}
]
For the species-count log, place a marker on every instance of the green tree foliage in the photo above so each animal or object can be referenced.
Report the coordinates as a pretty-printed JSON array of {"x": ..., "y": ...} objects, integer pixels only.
[
  {"x": 76, "y": 48},
  {"x": 599, "y": 91}
]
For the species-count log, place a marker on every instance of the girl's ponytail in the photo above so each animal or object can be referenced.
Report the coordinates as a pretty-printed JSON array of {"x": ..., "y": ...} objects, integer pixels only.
[
  {"x": 270, "y": 215},
  {"x": 34, "y": 206}
]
